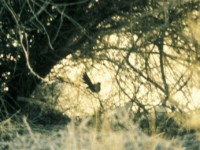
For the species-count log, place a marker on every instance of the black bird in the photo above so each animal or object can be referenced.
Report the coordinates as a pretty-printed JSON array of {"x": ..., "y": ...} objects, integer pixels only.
[{"x": 93, "y": 87}]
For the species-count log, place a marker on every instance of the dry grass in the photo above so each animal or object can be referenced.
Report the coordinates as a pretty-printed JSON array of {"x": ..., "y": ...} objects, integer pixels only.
[{"x": 115, "y": 131}]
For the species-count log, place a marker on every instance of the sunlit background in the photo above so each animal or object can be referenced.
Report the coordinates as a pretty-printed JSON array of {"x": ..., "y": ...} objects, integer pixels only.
[{"x": 119, "y": 83}]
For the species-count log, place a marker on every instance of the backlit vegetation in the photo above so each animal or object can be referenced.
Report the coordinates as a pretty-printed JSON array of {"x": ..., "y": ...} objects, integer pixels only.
[{"x": 144, "y": 53}]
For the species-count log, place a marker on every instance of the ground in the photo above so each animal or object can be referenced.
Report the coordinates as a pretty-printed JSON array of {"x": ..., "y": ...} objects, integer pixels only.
[{"x": 90, "y": 132}]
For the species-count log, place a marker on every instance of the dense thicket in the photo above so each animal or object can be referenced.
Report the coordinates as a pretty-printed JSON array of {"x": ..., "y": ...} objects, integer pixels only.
[{"x": 35, "y": 35}]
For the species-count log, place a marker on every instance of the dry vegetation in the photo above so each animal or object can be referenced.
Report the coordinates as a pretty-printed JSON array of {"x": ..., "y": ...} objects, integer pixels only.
[
  {"x": 115, "y": 133},
  {"x": 115, "y": 130},
  {"x": 144, "y": 54}
]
